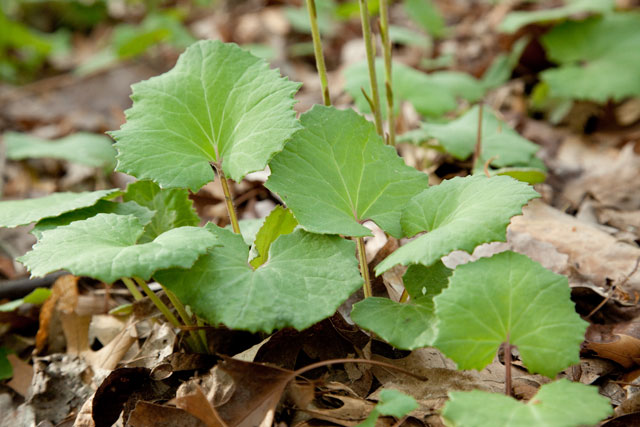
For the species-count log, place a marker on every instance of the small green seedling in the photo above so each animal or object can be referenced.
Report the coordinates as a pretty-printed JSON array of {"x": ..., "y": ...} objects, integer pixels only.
[{"x": 392, "y": 403}]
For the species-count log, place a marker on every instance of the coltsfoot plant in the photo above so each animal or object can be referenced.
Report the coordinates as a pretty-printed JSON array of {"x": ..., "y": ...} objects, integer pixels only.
[{"x": 222, "y": 113}]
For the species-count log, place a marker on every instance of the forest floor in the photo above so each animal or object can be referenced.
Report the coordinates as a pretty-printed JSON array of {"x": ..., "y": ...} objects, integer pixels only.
[{"x": 585, "y": 226}]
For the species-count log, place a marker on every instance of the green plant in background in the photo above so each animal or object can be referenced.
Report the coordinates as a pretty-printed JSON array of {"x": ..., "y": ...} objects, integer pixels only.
[{"x": 222, "y": 113}]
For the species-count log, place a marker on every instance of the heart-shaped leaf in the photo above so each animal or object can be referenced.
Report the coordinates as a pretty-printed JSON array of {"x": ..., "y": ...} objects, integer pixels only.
[
  {"x": 337, "y": 172},
  {"x": 143, "y": 214},
  {"x": 408, "y": 325},
  {"x": 280, "y": 221},
  {"x": 459, "y": 214},
  {"x": 83, "y": 148},
  {"x": 509, "y": 298},
  {"x": 304, "y": 281},
  {"x": 104, "y": 247},
  {"x": 590, "y": 53},
  {"x": 172, "y": 207},
  {"x": 218, "y": 104},
  {"x": 21, "y": 212},
  {"x": 558, "y": 404}
]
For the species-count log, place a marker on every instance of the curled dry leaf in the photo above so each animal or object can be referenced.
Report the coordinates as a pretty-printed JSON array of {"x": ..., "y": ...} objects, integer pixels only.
[
  {"x": 620, "y": 343},
  {"x": 147, "y": 414}
]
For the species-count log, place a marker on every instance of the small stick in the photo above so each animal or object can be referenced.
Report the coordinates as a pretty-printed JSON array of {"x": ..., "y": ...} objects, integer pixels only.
[{"x": 507, "y": 365}]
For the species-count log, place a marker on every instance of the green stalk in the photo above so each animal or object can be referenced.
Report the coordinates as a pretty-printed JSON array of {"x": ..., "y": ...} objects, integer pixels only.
[
  {"x": 386, "y": 51},
  {"x": 317, "y": 50},
  {"x": 364, "y": 267},
  {"x": 158, "y": 302},
  {"x": 233, "y": 217},
  {"x": 182, "y": 312},
  {"x": 132, "y": 288},
  {"x": 370, "y": 47}
]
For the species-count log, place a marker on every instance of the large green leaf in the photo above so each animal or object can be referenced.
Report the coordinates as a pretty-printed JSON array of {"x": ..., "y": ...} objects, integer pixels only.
[
  {"x": 408, "y": 325},
  {"x": 172, "y": 207},
  {"x": 499, "y": 140},
  {"x": 84, "y": 148},
  {"x": 337, "y": 172},
  {"x": 280, "y": 221},
  {"x": 591, "y": 54},
  {"x": 21, "y": 212},
  {"x": 459, "y": 214},
  {"x": 104, "y": 247},
  {"x": 509, "y": 298},
  {"x": 516, "y": 20},
  {"x": 392, "y": 403},
  {"x": 432, "y": 98},
  {"x": 218, "y": 104},
  {"x": 143, "y": 214},
  {"x": 558, "y": 404},
  {"x": 305, "y": 280}
]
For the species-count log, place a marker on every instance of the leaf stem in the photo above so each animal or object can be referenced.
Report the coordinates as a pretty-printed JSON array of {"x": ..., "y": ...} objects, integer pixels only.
[
  {"x": 158, "y": 302},
  {"x": 370, "y": 47},
  {"x": 233, "y": 217},
  {"x": 364, "y": 267},
  {"x": 388, "y": 82},
  {"x": 132, "y": 288},
  {"x": 478, "y": 148},
  {"x": 317, "y": 50},
  {"x": 507, "y": 365},
  {"x": 182, "y": 312}
]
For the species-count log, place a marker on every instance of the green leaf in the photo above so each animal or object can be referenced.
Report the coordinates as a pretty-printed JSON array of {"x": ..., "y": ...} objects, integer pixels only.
[
  {"x": 558, "y": 404},
  {"x": 590, "y": 53},
  {"x": 529, "y": 175},
  {"x": 172, "y": 207},
  {"x": 502, "y": 66},
  {"x": 408, "y": 325},
  {"x": 409, "y": 37},
  {"x": 83, "y": 148},
  {"x": 103, "y": 206},
  {"x": 36, "y": 297},
  {"x": 6, "y": 370},
  {"x": 461, "y": 85},
  {"x": 516, "y": 20},
  {"x": 104, "y": 247},
  {"x": 392, "y": 403},
  {"x": 460, "y": 214},
  {"x": 22, "y": 212},
  {"x": 305, "y": 280},
  {"x": 431, "y": 100},
  {"x": 426, "y": 282},
  {"x": 459, "y": 136},
  {"x": 509, "y": 298},
  {"x": 426, "y": 14},
  {"x": 280, "y": 221},
  {"x": 337, "y": 172},
  {"x": 218, "y": 104}
]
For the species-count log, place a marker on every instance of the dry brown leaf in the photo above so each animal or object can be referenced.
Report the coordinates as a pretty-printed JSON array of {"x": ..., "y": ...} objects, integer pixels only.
[
  {"x": 620, "y": 343},
  {"x": 148, "y": 414},
  {"x": 64, "y": 296},
  {"x": 596, "y": 255},
  {"x": 199, "y": 406},
  {"x": 22, "y": 375}
]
